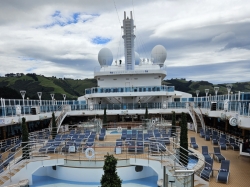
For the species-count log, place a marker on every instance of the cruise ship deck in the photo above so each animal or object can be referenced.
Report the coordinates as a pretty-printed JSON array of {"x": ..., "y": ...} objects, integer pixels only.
[{"x": 239, "y": 165}]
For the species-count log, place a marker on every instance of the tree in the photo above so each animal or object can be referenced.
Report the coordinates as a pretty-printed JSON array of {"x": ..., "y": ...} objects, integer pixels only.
[
  {"x": 25, "y": 140},
  {"x": 173, "y": 130},
  {"x": 146, "y": 113},
  {"x": 110, "y": 177},
  {"x": 54, "y": 129},
  {"x": 184, "y": 140},
  {"x": 104, "y": 120}
]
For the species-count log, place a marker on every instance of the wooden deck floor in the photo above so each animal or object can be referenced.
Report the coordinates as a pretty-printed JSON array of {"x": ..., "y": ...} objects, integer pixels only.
[{"x": 239, "y": 166}]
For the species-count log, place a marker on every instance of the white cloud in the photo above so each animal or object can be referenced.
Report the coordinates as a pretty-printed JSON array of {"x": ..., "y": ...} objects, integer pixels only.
[{"x": 193, "y": 32}]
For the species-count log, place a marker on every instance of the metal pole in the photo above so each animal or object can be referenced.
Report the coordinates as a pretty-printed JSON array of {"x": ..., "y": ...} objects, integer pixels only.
[{"x": 164, "y": 176}]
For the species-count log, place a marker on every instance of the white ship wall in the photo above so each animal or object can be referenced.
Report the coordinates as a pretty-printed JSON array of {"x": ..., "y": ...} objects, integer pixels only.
[{"x": 92, "y": 174}]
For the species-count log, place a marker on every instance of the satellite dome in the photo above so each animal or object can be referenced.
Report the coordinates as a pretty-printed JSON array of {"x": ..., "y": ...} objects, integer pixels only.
[
  {"x": 158, "y": 55},
  {"x": 105, "y": 57},
  {"x": 137, "y": 59}
]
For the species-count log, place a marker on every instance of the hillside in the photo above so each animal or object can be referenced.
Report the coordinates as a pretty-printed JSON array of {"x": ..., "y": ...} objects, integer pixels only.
[
  {"x": 32, "y": 84},
  {"x": 10, "y": 86},
  {"x": 191, "y": 86}
]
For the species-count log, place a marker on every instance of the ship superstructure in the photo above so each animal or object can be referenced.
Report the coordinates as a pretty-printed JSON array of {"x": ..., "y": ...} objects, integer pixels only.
[{"x": 132, "y": 84}]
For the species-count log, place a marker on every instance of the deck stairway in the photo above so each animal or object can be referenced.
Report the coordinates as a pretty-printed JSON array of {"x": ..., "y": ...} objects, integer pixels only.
[{"x": 197, "y": 118}]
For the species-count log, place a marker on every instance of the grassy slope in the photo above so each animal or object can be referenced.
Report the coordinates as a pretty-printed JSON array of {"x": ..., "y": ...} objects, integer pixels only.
[{"x": 74, "y": 88}]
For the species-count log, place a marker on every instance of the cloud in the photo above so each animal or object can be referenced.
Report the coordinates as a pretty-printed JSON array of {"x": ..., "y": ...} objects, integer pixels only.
[{"x": 63, "y": 38}]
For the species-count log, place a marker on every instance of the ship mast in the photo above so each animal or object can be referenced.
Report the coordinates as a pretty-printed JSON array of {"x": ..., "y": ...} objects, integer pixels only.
[{"x": 129, "y": 37}]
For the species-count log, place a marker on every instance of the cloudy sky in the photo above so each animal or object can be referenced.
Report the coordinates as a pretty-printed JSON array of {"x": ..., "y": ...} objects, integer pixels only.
[{"x": 205, "y": 39}]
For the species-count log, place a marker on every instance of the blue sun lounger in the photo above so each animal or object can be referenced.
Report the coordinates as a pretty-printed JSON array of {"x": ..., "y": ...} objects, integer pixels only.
[
  {"x": 207, "y": 170},
  {"x": 223, "y": 173},
  {"x": 193, "y": 143},
  {"x": 205, "y": 153},
  {"x": 217, "y": 154}
]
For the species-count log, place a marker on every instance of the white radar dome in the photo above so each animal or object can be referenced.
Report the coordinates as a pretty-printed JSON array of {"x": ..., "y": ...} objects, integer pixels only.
[
  {"x": 158, "y": 55},
  {"x": 137, "y": 59},
  {"x": 105, "y": 57}
]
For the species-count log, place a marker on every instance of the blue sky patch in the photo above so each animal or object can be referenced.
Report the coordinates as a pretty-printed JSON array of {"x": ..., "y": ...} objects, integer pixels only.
[
  {"x": 100, "y": 40},
  {"x": 27, "y": 58},
  {"x": 58, "y": 19},
  {"x": 56, "y": 14},
  {"x": 30, "y": 69}
]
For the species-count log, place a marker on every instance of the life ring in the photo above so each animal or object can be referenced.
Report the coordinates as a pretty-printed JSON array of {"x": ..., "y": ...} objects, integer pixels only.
[
  {"x": 90, "y": 153},
  {"x": 119, "y": 129},
  {"x": 153, "y": 121}
]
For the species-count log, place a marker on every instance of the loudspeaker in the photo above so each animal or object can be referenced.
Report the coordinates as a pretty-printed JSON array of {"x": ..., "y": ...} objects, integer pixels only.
[
  {"x": 138, "y": 168},
  {"x": 54, "y": 167}
]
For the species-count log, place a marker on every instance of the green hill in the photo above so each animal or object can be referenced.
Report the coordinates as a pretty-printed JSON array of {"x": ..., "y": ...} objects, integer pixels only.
[
  {"x": 10, "y": 86},
  {"x": 32, "y": 84},
  {"x": 191, "y": 86}
]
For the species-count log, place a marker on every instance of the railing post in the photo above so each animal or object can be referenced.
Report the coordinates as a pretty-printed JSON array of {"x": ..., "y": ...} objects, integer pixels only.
[{"x": 164, "y": 177}]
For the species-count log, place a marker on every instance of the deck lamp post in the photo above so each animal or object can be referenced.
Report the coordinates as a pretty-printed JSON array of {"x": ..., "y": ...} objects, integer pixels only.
[
  {"x": 23, "y": 92},
  {"x": 197, "y": 94},
  {"x": 40, "y": 96},
  {"x": 52, "y": 98},
  {"x": 64, "y": 97},
  {"x": 216, "y": 89},
  {"x": 206, "y": 91},
  {"x": 229, "y": 87}
]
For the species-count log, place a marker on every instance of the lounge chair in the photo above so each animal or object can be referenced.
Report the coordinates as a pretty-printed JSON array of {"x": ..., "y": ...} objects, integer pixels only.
[
  {"x": 102, "y": 134},
  {"x": 202, "y": 134},
  {"x": 118, "y": 146},
  {"x": 139, "y": 137},
  {"x": 225, "y": 137},
  {"x": 150, "y": 133},
  {"x": 222, "y": 143},
  {"x": 58, "y": 137},
  {"x": 233, "y": 144},
  {"x": 74, "y": 137},
  {"x": 7, "y": 146},
  {"x": 193, "y": 143},
  {"x": 129, "y": 137},
  {"x": 89, "y": 143},
  {"x": 134, "y": 135},
  {"x": 54, "y": 147},
  {"x": 124, "y": 134},
  {"x": 78, "y": 143},
  {"x": 131, "y": 146},
  {"x": 145, "y": 138},
  {"x": 65, "y": 149},
  {"x": 207, "y": 170},
  {"x": 139, "y": 147},
  {"x": 214, "y": 139},
  {"x": 207, "y": 135},
  {"x": 224, "y": 171},
  {"x": 217, "y": 154},
  {"x": 157, "y": 135},
  {"x": 205, "y": 153},
  {"x": 44, "y": 148},
  {"x": 17, "y": 145}
]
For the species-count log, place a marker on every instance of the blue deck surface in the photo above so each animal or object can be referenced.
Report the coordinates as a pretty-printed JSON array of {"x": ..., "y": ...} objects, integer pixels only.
[{"x": 45, "y": 181}]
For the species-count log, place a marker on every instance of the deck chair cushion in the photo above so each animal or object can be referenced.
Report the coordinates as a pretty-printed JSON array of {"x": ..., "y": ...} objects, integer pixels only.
[{"x": 223, "y": 170}]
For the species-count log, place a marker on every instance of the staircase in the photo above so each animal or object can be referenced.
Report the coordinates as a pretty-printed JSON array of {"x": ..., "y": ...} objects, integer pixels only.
[
  {"x": 11, "y": 170},
  {"x": 198, "y": 121},
  {"x": 61, "y": 117},
  {"x": 193, "y": 116}
]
